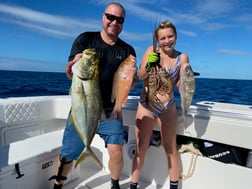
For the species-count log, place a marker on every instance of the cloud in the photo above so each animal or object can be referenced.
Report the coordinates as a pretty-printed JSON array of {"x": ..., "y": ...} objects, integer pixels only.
[
  {"x": 244, "y": 18},
  {"x": 52, "y": 25},
  {"x": 233, "y": 52},
  {"x": 51, "y": 31},
  {"x": 187, "y": 33},
  {"x": 31, "y": 15},
  {"x": 136, "y": 36},
  {"x": 207, "y": 15},
  {"x": 202, "y": 14},
  {"x": 216, "y": 26},
  {"x": 25, "y": 64},
  {"x": 213, "y": 8}
]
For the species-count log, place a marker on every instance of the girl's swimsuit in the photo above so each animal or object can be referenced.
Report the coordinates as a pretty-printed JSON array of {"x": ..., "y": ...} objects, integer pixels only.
[{"x": 157, "y": 108}]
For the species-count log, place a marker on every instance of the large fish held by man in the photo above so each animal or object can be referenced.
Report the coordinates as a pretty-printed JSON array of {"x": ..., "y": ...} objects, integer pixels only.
[
  {"x": 87, "y": 107},
  {"x": 122, "y": 84},
  {"x": 186, "y": 89}
]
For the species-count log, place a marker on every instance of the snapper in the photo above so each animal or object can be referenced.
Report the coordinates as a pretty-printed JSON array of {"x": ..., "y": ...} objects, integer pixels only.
[{"x": 122, "y": 82}]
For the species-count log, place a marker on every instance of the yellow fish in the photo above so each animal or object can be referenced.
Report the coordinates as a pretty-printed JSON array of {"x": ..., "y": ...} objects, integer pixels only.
[{"x": 87, "y": 106}]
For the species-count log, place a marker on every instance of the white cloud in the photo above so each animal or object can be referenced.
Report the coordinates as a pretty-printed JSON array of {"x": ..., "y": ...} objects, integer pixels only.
[
  {"x": 187, "y": 33},
  {"x": 244, "y": 18},
  {"x": 52, "y": 25},
  {"x": 233, "y": 52},
  {"x": 216, "y": 8},
  {"x": 216, "y": 26},
  {"x": 25, "y": 64}
]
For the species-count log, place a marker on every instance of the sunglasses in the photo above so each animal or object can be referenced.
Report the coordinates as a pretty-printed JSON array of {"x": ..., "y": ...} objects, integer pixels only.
[{"x": 111, "y": 18}]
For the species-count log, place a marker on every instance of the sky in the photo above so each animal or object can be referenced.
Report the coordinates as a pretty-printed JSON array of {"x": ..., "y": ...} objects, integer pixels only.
[{"x": 215, "y": 34}]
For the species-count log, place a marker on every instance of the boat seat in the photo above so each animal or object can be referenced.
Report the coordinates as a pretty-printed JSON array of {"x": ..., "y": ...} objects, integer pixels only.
[
  {"x": 21, "y": 118},
  {"x": 22, "y": 150}
]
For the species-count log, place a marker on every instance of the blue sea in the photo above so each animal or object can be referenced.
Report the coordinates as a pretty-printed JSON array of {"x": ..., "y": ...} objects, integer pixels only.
[{"x": 25, "y": 83}]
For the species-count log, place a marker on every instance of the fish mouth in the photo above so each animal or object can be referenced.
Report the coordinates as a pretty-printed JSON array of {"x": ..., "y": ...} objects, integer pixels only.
[
  {"x": 83, "y": 78},
  {"x": 85, "y": 74}
]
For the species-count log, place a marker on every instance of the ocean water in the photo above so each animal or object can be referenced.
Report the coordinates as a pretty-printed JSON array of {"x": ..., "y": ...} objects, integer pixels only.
[{"x": 24, "y": 83}]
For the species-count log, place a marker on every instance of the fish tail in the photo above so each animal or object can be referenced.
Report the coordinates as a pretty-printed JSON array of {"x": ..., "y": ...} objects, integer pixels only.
[
  {"x": 71, "y": 119},
  {"x": 184, "y": 118},
  {"x": 185, "y": 115},
  {"x": 182, "y": 121},
  {"x": 88, "y": 153}
]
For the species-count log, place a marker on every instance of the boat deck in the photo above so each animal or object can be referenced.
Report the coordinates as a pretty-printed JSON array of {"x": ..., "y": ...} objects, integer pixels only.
[{"x": 92, "y": 177}]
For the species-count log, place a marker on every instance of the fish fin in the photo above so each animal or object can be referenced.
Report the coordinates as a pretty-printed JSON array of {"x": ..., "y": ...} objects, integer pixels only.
[
  {"x": 88, "y": 153},
  {"x": 185, "y": 112},
  {"x": 182, "y": 122},
  {"x": 95, "y": 159},
  {"x": 184, "y": 118},
  {"x": 80, "y": 159},
  {"x": 71, "y": 121},
  {"x": 70, "y": 91},
  {"x": 103, "y": 116},
  {"x": 114, "y": 89}
]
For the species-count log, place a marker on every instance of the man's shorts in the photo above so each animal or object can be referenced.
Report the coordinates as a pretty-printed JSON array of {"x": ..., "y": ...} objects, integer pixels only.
[{"x": 110, "y": 130}]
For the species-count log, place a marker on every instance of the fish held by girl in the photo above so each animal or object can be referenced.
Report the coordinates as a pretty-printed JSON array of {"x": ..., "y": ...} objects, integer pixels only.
[{"x": 186, "y": 89}]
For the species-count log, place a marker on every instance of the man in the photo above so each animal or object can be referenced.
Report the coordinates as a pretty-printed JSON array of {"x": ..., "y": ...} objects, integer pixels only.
[{"x": 111, "y": 51}]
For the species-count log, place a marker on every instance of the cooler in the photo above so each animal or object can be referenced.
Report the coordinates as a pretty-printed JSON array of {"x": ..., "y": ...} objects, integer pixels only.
[{"x": 28, "y": 164}]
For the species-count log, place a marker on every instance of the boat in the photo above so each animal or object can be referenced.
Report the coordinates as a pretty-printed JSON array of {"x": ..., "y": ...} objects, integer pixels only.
[{"x": 31, "y": 131}]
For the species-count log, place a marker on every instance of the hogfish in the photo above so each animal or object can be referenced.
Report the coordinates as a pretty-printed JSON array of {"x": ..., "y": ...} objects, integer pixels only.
[
  {"x": 122, "y": 82},
  {"x": 87, "y": 106},
  {"x": 186, "y": 89}
]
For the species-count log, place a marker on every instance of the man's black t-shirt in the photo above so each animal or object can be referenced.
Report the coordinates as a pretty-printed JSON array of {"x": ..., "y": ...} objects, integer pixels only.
[{"x": 110, "y": 56}]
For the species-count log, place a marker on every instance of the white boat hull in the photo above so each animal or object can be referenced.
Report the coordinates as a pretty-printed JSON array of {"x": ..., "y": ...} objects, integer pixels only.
[{"x": 31, "y": 132}]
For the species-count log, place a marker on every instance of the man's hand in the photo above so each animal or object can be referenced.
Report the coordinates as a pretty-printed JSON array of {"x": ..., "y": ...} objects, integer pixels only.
[
  {"x": 69, "y": 72},
  {"x": 153, "y": 60}
]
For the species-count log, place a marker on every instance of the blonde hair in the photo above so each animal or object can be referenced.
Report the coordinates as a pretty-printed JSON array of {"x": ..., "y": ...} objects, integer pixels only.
[{"x": 162, "y": 25}]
